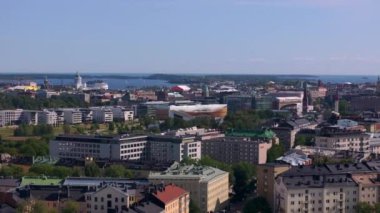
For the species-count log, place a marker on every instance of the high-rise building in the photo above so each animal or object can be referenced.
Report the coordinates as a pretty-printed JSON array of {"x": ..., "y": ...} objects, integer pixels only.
[{"x": 78, "y": 82}]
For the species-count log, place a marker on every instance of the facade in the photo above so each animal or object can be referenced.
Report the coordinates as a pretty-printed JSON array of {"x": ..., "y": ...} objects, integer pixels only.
[
  {"x": 327, "y": 188},
  {"x": 157, "y": 109},
  {"x": 167, "y": 148},
  {"x": 216, "y": 111},
  {"x": 266, "y": 175},
  {"x": 72, "y": 116},
  {"x": 120, "y": 113},
  {"x": 208, "y": 186},
  {"x": 79, "y": 147},
  {"x": 238, "y": 102},
  {"x": 107, "y": 199},
  {"x": 237, "y": 149},
  {"x": 353, "y": 141},
  {"x": 10, "y": 117},
  {"x": 102, "y": 115},
  {"x": 173, "y": 199},
  {"x": 47, "y": 117}
]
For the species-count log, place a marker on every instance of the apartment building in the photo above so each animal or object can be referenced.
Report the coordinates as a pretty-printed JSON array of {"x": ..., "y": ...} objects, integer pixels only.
[
  {"x": 350, "y": 140},
  {"x": 109, "y": 198},
  {"x": 122, "y": 147},
  {"x": 208, "y": 186},
  {"x": 266, "y": 175},
  {"x": 236, "y": 149},
  {"x": 327, "y": 188},
  {"x": 167, "y": 148}
]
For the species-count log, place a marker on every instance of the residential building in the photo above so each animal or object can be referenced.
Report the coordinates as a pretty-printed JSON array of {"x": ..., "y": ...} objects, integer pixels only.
[
  {"x": 344, "y": 140},
  {"x": 266, "y": 175},
  {"x": 237, "y": 149},
  {"x": 208, "y": 186},
  {"x": 172, "y": 198},
  {"x": 216, "y": 111}
]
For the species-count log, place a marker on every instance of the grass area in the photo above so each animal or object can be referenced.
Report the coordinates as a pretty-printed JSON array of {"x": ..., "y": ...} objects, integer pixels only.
[{"x": 6, "y": 132}]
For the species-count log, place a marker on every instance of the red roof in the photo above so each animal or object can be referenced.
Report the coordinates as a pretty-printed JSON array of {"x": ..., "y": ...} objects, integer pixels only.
[{"x": 170, "y": 193}]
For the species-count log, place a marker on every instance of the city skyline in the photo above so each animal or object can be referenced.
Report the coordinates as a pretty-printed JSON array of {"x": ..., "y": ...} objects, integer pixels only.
[{"x": 170, "y": 36}]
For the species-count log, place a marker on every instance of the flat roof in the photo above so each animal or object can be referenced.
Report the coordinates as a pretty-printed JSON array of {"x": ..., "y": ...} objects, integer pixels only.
[{"x": 41, "y": 181}]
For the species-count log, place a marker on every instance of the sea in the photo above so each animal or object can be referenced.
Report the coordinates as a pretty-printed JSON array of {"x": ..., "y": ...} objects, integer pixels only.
[{"x": 140, "y": 81}]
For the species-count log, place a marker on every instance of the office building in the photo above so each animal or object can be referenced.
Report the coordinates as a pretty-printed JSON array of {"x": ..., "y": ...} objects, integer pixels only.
[
  {"x": 47, "y": 117},
  {"x": 167, "y": 148},
  {"x": 72, "y": 116},
  {"x": 102, "y": 114},
  {"x": 208, "y": 186},
  {"x": 122, "y": 147}
]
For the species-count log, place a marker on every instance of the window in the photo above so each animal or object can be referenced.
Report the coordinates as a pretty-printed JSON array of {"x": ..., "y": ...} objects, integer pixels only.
[
  {"x": 109, "y": 204},
  {"x": 96, "y": 199},
  {"x": 102, "y": 199},
  {"x": 109, "y": 196},
  {"x": 116, "y": 199}
]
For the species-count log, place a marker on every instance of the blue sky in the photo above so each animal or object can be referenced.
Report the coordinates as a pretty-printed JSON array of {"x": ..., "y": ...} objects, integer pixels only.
[{"x": 191, "y": 36}]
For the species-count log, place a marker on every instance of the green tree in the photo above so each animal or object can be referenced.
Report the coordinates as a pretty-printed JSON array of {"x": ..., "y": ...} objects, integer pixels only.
[
  {"x": 12, "y": 170},
  {"x": 70, "y": 207},
  {"x": 193, "y": 208},
  {"x": 111, "y": 127},
  {"x": 92, "y": 170},
  {"x": 243, "y": 173},
  {"x": 257, "y": 205},
  {"x": 276, "y": 151},
  {"x": 363, "y": 207},
  {"x": 115, "y": 171}
]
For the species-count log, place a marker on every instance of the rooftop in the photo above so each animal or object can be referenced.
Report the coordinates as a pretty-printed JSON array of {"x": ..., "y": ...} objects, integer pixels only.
[
  {"x": 169, "y": 193},
  {"x": 41, "y": 181},
  {"x": 178, "y": 171},
  {"x": 267, "y": 134}
]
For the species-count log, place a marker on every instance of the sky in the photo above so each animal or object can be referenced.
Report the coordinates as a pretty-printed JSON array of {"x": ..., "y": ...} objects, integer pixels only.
[{"x": 191, "y": 36}]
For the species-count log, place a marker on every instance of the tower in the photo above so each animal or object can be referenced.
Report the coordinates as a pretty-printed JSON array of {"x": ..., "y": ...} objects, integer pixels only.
[
  {"x": 305, "y": 101},
  {"x": 336, "y": 102},
  {"x": 205, "y": 91},
  {"x": 78, "y": 81},
  {"x": 46, "y": 83},
  {"x": 378, "y": 85}
]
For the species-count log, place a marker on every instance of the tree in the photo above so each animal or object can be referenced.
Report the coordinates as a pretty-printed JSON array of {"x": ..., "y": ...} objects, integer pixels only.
[
  {"x": 116, "y": 171},
  {"x": 243, "y": 173},
  {"x": 70, "y": 207},
  {"x": 276, "y": 151},
  {"x": 92, "y": 170},
  {"x": 12, "y": 170},
  {"x": 193, "y": 208},
  {"x": 363, "y": 207},
  {"x": 257, "y": 205},
  {"x": 111, "y": 127}
]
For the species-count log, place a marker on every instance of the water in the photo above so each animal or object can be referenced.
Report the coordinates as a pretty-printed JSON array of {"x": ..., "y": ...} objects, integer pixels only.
[
  {"x": 337, "y": 78},
  {"x": 113, "y": 83}
]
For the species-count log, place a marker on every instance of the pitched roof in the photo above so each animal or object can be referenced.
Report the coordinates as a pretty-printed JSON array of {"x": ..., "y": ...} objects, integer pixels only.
[{"x": 169, "y": 193}]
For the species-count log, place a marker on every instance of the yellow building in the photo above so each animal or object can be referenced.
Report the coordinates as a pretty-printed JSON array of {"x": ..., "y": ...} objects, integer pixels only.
[{"x": 208, "y": 186}]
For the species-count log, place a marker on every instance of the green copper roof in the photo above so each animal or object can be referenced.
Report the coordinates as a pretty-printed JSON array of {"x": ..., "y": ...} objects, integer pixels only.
[{"x": 268, "y": 134}]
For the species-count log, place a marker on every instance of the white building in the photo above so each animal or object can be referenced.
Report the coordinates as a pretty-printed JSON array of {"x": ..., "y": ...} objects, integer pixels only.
[
  {"x": 166, "y": 148},
  {"x": 122, "y": 147},
  {"x": 72, "y": 116},
  {"x": 120, "y": 113},
  {"x": 102, "y": 114},
  {"x": 78, "y": 82},
  {"x": 10, "y": 117},
  {"x": 358, "y": 142},
  {"x": 107, "y": 198},
  {"x": 47, "y": 117}
]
